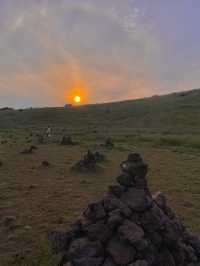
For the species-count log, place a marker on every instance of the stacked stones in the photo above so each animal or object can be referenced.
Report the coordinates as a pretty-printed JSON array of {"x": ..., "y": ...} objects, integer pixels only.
[
  {"x": 67, "y": 140},
  {"x": 89, "y": 162},
  {"x": 128, "y": 227}
]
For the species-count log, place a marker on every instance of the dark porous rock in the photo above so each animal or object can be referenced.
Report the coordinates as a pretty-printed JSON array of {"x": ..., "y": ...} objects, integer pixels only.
[
  {"x": 95, "y": 211},
  {"x": 67, "y": 140},
  {"x": 171, "y": 232},
  {"x": 109, "y": 262},
  {"x": 141, "y": 183},
  {"x": 77, "y": 227},
  {"x": 116, "y": 190},
  {"x": 99, "y": 157},
  {"x": 89, "y": 162},
  {"x": 160, "y": 199},
  {"x": 125, "y": 180},
  {"x": 128, "y": 227},
  {"x": 139, "y": 263},
  {"x": 136, "y": 199},
  {"x": 121, "y": 252},
  {"x": 110, "y": 202},
  {"x": 189, "y": 253},
  {"x": 87, "y": 261},
  {"x": 135, "y": 166},
  {"x": 131, "y": 232},
  {"x": 28, "y": 150},
  {"x": 46, "y": 164},
  {"x": 98, "y": 231},
  {"x": 165, "y": 258},
  {"x": 109, "y": 143},
  {"x": 83, "y": 252},
  {"x": 60, "y": 241},
  {"x": 153, "y": 219},
  {"x": 194, "y": 241},
  {"x": 115, "y": 218},
  {"x": 155, "y": 238}
]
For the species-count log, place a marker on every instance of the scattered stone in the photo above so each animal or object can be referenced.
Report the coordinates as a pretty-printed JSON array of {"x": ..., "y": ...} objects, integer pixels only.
[
  {"x": 33, "y": 186},
  {"x": 46, "y": 164},
  {"x": 9, "y": 221},
  {"x": 27, "y": 227},
  {"x": 128, "y": 227},
  {"x": 4, "y": 142},
  {"x": 29, "y": 150}
]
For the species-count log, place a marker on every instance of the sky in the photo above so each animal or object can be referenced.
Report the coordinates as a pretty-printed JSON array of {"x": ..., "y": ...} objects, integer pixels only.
[{"x": 102, "y": 50}]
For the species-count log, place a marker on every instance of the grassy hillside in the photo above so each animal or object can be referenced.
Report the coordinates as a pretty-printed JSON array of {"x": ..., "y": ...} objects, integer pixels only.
[
  {"x": 177, "y": 113},
  {"x": 164, "y": 129}
]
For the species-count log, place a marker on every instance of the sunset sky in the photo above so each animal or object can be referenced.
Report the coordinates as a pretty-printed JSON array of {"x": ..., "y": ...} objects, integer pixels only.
[{"x": 104, "y": 50}]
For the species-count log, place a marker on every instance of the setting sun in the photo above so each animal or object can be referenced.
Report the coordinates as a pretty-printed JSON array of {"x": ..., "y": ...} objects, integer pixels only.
[{"x": 77, "y": 99}]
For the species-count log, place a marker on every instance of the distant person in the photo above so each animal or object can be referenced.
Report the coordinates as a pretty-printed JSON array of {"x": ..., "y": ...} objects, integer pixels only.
[{"x": 48, "y": 132}]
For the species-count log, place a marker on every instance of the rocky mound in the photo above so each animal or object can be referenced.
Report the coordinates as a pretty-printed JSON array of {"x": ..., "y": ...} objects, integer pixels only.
[
  {"x": 67, "y": 140},
  {"x": 89, "y": 162},
  {"x": 128, "y": 227}
]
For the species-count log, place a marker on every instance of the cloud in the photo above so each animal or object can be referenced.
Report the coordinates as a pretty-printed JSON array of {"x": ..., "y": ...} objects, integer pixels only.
[{"x": 47, "y": 48}]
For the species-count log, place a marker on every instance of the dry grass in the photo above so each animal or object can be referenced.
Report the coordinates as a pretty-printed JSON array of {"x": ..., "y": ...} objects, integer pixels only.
[{"x": 45, "y": 199}]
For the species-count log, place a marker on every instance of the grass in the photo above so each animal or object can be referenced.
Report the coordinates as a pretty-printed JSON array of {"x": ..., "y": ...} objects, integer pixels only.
[
  {"x": 163, "y": 129},
  {"x": 44, "y": 257}
]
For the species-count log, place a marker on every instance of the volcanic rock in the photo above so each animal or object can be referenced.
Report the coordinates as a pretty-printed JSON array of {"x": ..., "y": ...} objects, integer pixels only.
[
  {"x": 128, "y": 227},
  {"x": 29, "y": 150},
  {"x": 45, "y": 163},
  {"x": 67, "y": 140},
  {"x": 89, "y": 162},
  {"x": 109, "y": 143}
]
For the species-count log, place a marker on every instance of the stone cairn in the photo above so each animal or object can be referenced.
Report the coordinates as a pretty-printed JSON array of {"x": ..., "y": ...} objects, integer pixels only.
[
  {"x": 109, "y": 143},
  {"x": 67, "y": 140},
  {"x": 128, "y": 227},
  {"x": 89, "y": 162}
]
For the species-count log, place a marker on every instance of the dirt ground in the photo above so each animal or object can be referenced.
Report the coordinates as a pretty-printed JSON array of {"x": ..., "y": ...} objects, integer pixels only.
[{"x": 35, "y": 200}]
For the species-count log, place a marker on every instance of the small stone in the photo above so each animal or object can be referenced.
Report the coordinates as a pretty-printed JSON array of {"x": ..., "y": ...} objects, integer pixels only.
[
  {"x": 10, "y": 220},
  {"x": 98, "y": 231},
  {"x": 110, "y": 202},
  {"x": 165, "y": 258},
  {"x": 131, "y": 232},
  {"x": 60, "y": 241},
  {"x": 125, "y": 180},
  {"x": 134, "y": 166},
  {"x": 109, "y": 262},
  {"x": 139, "y": 263},
  {"x": 153, "y": 219},
  {"x": 121, "y": 253},
  {"x": 85, "y": 252},
  {"x": 95, "y": 211},
  {"x": 45, "y": 164},
  {"x": 115, "y": 218},
  {"x": 28, "y": 227},
  {"x": 136, "y": 199},
  {"x": 116, "y": 190}
]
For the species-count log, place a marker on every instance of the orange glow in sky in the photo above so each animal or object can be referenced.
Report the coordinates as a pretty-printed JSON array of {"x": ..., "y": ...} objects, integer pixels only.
[
  {"x": 77, "y": 99},
  {"x": 77, "y": 94}
]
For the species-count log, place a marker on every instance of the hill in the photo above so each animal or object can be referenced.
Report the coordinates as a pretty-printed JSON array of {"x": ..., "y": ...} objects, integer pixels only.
[{"x": 176, "y": 113}]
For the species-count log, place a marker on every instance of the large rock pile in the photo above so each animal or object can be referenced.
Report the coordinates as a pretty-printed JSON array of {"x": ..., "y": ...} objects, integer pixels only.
[{"x": 128, "y": 227}]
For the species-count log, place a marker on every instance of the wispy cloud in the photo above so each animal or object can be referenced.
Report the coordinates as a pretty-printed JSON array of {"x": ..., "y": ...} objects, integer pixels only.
[{"x": 48, "y": 47}]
